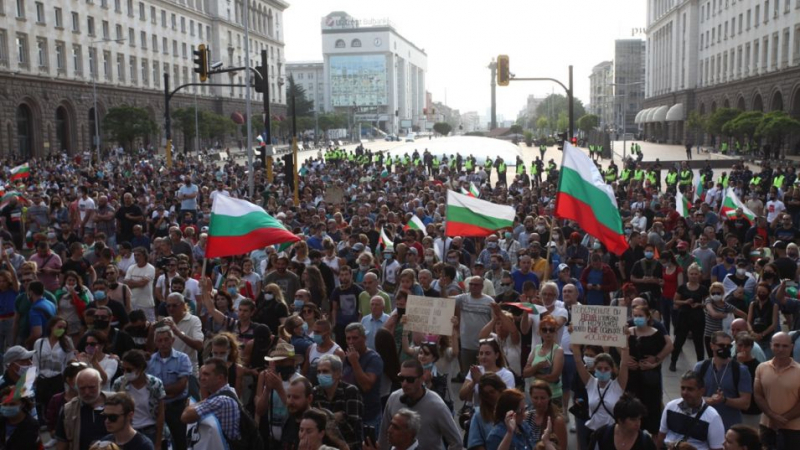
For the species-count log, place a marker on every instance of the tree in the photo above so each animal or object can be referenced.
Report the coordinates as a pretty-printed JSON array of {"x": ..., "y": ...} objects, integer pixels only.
[
  {"x": 442, "y": 128},
  {"x": 744, "y": 125},
  {"x": 125, "y": 123},
  {"x": 305, "y": 107},
  {"x": 696, "y": 123},
  {"x": 183, "y": 121},
  {"x": 588, "y": 122},
  {"x": 516, "y": 129},
  {"x": 332, "y": 121},
  {"x": 563, "y": 121},
  {"x": 217, "y": 127},
  {"x": 554, "y": 105},
  {"x": 775, "y": 126},
  {"x": 542, "y": 124},
  {"x": 717, "y": 120}
]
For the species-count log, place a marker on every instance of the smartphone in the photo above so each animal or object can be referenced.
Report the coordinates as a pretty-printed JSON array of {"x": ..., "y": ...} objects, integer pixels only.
[{"x": 369, "y": 435}]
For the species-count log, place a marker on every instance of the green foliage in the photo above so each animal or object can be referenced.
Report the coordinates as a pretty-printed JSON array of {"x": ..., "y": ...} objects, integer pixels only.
[
  {"x": 696, "y": 122},
  {"x": 775, "y": 126},
  {"x": 555, "y": 106},
  {"x": 332, "y": 121},
  {"x": 211, "y": 125},
  {"x": 516, "y": 129},
  {"x": 588, "y": 122},
  {"x": 744, "y": 125},
  {"x": 304, "y": 105},
  {"x": 542, "y": 123},
  {"x": 528, "y": 138},
  {"x": 717, "y": 120},
  {"x": 442, "y": 128},
  {"x": 125, "y": 123}
]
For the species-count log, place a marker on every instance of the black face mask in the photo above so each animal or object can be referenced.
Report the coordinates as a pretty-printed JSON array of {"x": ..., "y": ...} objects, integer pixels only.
[
  {"x": 101, "y": 324},
  {"x": 724, "y": 352},
  {"x": 285, "y": 372},
  {"x": 400, "y": 311}
]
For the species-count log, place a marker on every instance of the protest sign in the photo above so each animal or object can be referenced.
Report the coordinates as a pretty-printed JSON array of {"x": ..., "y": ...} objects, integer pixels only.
[
  {"x": 599, "y": 325},
  {"x": 430, "y": 315},
  {"x": 334, "y": 195}
]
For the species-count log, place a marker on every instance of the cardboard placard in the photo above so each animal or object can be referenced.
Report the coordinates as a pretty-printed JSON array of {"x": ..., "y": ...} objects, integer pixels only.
[
  {"x": 334, "y": 195},
  {"x": 599, "y": 325},
  {"x": 430, "y": 315}
]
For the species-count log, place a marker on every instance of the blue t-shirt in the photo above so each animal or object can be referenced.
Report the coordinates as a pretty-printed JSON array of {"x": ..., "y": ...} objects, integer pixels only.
[
  {"x": 522, "y": 440},
  {"x": 720, "y": 272},
  {"x": 40, "y": 313},
  {"x": 189, "y": 203},
  {"x": 593, "y": 297},
  {"x": 478, "y": 430},
  {"x": 730, "y": 416},
  {"x": 520, "y": 278},
  {"x": 7, "y": 299}
]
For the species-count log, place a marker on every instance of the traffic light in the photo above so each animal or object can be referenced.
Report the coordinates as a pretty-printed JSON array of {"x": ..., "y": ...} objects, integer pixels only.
[
  {"x": 201, "y": 61},
  {"x": 574, "y": 141},
  {"x": 560, "y": 141},
  {"x": 503, "y": 71},
  {"x": 259, "y": 82}
]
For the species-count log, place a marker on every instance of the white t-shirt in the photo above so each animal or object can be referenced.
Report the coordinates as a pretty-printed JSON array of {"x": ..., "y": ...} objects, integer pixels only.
[
  {"x": 216, "y": 192},
  {"x": 141, "y": 413},
  {"x": 774, "y": 207},
  {"x": 85, "y": 206},
  {"x": 506, "y": 375},
  {"x": 611, "y": 394},
  {"x": 142, "y": 297},
  {"x": 716, "y": 430}
]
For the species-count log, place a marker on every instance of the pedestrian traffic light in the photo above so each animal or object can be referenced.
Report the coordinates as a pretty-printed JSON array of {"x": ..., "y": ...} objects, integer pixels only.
[
  {"x": 503, "y": 71},
  {"x": 201, "y": 61},
  {"x": 561, "y": 137},
  {"x": 259, "y": 82}
]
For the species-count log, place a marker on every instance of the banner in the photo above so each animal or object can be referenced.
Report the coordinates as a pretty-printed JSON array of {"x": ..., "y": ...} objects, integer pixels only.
[
  {"x": 430, "y": 315},
  {"x": 599, "y": 325}
]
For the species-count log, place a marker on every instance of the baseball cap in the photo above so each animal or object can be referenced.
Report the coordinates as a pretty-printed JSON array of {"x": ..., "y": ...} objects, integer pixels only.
[
  {"x": 16, "y": 353},
  {"x": 562, "y": 266},
  {"x": 281, "y": 352}
]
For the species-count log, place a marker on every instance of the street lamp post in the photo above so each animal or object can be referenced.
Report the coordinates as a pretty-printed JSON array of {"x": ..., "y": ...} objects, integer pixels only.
[
  {"x": 624, "y": 118},
  {"x": 94, "y": 96}
]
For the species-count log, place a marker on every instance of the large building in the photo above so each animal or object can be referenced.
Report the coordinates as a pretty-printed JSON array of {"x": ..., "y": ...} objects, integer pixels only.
[
  {"x": 52, "y": 52},
  {"x": 311, "y": 76},
  {"x": 373, "y": 73},
  {"x": 629, "y": 75},
  {"x": 704, "y": 55},
  {"x": 601, "y": 94}
]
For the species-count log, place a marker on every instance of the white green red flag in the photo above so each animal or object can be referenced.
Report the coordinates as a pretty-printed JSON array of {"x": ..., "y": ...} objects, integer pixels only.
[
  {"x": 238, "y": 227},
  {"x": 415, "y": 224},
  {"x": 469, "y": 216},
  {"x": 731, "y": 202},
  {"x": 385, "y": 241},
  {"x": 474, "y": 190},
  {"x": 681, "y": 205},
  {"x": 699, "y": 189},
  {"x": 20, "y": 172},
  {"x": 584, "y": 197}
]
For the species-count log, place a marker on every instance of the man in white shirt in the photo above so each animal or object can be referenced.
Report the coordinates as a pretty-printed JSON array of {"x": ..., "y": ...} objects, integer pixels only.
[
  {"x": 86, "y": 208},
  {"x": 690, "y": 419},
  {"x": 774, "y": 207},
  {"x": 139, "y": 278},
  {"x": 220, "y": 191}
]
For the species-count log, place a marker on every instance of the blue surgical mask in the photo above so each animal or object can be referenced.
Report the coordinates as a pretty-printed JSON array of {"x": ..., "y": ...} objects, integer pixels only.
[
  {"x": 602, "y": 376},
  {"x": 232, "y": 291},
  {"x": 298, "y": 304},
  {"x": 325, "y": 380},
  {"x": 648, "y": 255},
  {"x": 99, "y": 295},
  {"x": 428, "y": 366},
  {"x": 317, "y": 339},
  {"x": 640, "y": 321},
  {"x": 305, "y": 328},
  {"x": 10, "y": 411}
]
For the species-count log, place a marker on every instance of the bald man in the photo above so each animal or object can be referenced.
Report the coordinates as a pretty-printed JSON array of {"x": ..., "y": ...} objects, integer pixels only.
[{"x": 777, "y": 395}]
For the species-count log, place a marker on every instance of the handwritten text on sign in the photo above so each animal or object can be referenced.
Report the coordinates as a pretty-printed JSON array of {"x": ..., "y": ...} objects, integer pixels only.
[
  {"x": 599, "y": 325},
  {"x": 430, "y": 315}
]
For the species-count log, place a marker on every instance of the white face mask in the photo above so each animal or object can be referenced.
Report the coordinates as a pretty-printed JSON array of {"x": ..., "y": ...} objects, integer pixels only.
[
  {"x": 589, "y": 362},
  {"x": 131, "y": 376}
]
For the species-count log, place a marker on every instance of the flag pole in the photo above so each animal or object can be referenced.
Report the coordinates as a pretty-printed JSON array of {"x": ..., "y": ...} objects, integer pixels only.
[
  {"x": 547, "y": 258},
  {"x": 555, "y": 208}
]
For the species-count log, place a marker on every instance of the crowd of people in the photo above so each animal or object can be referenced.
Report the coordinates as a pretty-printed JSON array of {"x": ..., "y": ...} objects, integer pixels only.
[{"x": 140, "y": 342}]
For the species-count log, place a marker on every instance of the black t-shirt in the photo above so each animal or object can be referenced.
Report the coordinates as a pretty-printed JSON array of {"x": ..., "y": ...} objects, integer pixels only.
[
  {"x": 648, "y": 268},
  {"x": 125, "y": 224},
  {"x": 120, "y": 317},
  {"x": 698, "y": 295},
  {"x": 269, "y": 312},
  {"x": 81, "y": 267},
  {"x": 13, "y": 216},
  {"x": 139, "y": 442}
]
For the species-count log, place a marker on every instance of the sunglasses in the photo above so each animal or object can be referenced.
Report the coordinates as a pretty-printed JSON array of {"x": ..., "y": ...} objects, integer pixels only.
[
  {"x": 306, "y": 310},
  {"x": 91, "y": 344},
  {"x": 408, "y": 380},
  {"x": 548, "y": 330},
  {"x": 111, "y": 417}
]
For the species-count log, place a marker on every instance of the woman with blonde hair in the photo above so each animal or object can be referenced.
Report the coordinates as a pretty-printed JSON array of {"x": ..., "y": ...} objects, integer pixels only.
[{"x": 226, "y": 347}]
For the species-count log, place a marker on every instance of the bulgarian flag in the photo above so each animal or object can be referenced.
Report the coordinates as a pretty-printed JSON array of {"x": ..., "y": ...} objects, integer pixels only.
[
  {"x": 473, "y": 191},
  {"x": 731, "y": 202},
  {"x": 681, "y": 204},
  {"x": 469, "y": 216},
  {"x": 385, "y": 241},
  {"x": 584, "y": 197},
  {"x": 238, "y": 226},
  {"x": 699, "y": 189},
  {"x": 20, "y": 172},
  {"x": 415, "y": 224}
]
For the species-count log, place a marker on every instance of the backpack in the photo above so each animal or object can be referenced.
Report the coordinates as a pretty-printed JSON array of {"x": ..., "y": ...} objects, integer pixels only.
[
  {"x": 249, "y": 436},
  {"x": 736, "y": 373}
]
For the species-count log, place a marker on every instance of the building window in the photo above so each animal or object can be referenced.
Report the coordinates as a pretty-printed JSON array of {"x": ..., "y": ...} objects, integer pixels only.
[
  {"x": 174, "y": 21},
  {"x": 130, "y": 8},
  {"x": 76, "y": 23},
  {"x": 156, "y": 78},
  {"x": 59, "y": 18},
  {"x": 90, "y": 25},
  {"x": 355, "y": 43},
  {"x": 143, "y": 39},
  {"x": 191, "y": 28},
  {"x": 60, "y": 57},
  {"x": 155, "y": 43},
  {"x": 40, "y": 12},
  {"x": 118, "y": 5},
  {"x": 41, "y": 50},
  {"x": 121, "y": 67},
  {"x": 76, "y": 60},
  {"x": 132, "y": 68},
  {"x": 105, "y": 29},
  {"x": 174, "y": 48},
  {"x": 92, "y": 61},
  {"x": 163, "y": 18},
  {"x": 107, "y": 65},
  {"x": 796, "y": 46},
  {"x": 20, "y": 9},
  {"x": 183, "y": 50},
  {"x": 165, "y": 46},
  {"x": 758, "y": 16},
  {"x": 141, "y": 11},
  {"x": 183, "y": 24},
  {"x": 339, "y": 43},
  {"x": 131, "y": 37},
  {"x": 200, "y": 30},
  {"x": 145, "y": 72},
  {"x": 153, "y": 18},
  {"x": 118, "y": 30}
]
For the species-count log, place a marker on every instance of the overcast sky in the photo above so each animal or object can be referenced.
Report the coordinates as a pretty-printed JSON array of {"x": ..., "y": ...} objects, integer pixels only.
[{"x": 541, "y": 37}]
